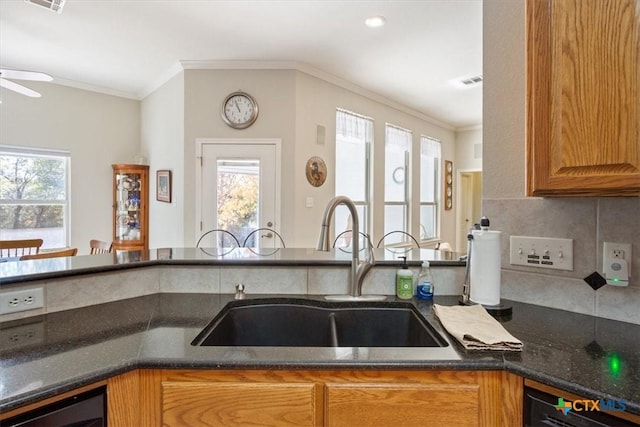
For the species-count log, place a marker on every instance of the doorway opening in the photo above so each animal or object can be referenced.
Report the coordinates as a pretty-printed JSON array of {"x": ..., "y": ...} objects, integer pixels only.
[{"x": 469, "y": 205}]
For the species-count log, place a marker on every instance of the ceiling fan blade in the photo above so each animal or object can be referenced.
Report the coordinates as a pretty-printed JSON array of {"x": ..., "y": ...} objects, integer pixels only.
[
  {"x": 18, "y": 88},
  {"x": 25, "y": 75}
]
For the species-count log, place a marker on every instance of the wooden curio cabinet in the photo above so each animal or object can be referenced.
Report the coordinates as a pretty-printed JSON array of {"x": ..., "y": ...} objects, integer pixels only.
[
  {"x": 583, "y": 87},
  {"x": 130, "y": 207}
]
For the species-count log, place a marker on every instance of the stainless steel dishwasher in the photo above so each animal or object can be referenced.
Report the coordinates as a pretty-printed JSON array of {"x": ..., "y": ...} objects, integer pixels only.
[
  {"x": 87, "y": 409},
  {"x": 541, "y": 410}
]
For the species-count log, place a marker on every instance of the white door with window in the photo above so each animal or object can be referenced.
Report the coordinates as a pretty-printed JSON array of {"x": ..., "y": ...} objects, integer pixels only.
[{"x": 238, "y": 193}]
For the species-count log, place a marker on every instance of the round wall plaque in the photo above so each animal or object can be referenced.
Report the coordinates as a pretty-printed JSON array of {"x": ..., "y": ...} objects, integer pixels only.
[{"x": 316, "y": 171}]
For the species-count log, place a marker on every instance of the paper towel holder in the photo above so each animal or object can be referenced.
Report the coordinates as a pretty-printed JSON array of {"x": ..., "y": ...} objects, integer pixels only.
[{"x": 498, "y": 311}]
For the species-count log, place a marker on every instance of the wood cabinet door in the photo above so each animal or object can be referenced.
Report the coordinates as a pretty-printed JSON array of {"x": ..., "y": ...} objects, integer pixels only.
[
  {"x": 237, "y": 404},
  {"x": 401, "y": 405},
  {"x": 583, "y": 109}
]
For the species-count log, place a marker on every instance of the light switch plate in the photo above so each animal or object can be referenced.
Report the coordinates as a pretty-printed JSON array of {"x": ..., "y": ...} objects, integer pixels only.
[{"x": 541, "y": 252}]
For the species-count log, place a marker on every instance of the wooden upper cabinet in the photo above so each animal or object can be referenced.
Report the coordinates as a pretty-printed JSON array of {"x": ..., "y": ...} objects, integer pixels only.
[{"x": 583, "y": 96}]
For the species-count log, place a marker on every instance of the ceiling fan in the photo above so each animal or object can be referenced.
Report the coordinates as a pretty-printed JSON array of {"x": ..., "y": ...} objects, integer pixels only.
[{"x": 22, "y": 75}]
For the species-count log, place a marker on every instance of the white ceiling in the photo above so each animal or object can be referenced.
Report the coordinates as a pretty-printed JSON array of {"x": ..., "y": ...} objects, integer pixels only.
[{"x": 129, "y": 47}]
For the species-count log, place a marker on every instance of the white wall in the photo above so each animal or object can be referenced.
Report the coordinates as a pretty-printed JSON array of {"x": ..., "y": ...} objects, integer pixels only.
[
  {"x": 504, "y": 99},
  {"x": 102, "y": 129},
  {"x": 274, "y": 91},
  {"x": 162, "y": 142},
  {"x": 291, "y": 104},
  {"x": 97, "y": 129},
  {"x": 317, "y": 101},
  {"x": 466, "y": 142}
]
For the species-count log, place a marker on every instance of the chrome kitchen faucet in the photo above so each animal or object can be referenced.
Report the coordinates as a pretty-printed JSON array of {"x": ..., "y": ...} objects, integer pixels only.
[{"x": 359, "y": 269}]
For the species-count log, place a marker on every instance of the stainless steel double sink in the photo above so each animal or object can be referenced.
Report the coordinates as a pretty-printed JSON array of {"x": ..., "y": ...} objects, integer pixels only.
[{"x": 311, "y": 323}]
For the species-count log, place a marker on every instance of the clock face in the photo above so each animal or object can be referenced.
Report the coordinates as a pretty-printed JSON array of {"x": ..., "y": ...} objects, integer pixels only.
[{"x": 239, "y": 110}]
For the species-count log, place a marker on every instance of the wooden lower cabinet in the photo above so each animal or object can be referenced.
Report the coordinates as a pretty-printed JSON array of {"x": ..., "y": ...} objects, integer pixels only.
[
  {"x": 403, "y": 404},
  {"x": 241, "y": 404},
  {"x": 315, "y": 398}
]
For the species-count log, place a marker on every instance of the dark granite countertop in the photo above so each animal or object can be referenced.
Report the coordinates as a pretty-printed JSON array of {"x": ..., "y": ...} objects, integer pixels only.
[
  {"x": 23, "y": 271},
  {"x": 53, "y": 353}
]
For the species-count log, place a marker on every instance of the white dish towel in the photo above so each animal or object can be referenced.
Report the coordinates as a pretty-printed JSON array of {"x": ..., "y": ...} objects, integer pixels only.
[{"x": 475, "y": 329}]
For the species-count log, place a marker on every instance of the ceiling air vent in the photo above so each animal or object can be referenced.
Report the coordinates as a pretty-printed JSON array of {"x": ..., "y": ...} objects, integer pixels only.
[
  {"x": 53, "y": 5},
  {"x": 472, "y": 81}
]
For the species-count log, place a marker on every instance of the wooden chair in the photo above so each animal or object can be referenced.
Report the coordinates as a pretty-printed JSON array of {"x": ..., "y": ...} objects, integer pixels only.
[
  {"x": 404, "y": 233},
  {"x": 17, "y": 248},
  {"x": 269, "y": 234},
  {"x": 217, "y": 238},
  {"x": 100, "y": 247},
  {"x": 443, "y": 246},
  {"x": 51, "y": 254}
]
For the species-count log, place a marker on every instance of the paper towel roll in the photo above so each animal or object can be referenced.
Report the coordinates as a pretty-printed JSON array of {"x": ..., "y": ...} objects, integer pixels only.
[{"x": 484, "y": 273}]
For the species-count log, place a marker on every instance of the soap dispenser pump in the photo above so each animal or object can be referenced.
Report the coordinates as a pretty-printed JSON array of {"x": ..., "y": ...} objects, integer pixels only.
[{"x": 404, "y": 281}]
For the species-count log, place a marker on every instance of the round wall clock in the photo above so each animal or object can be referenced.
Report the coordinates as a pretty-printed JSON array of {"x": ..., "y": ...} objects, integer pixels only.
[{"x": 239, "y": 110}]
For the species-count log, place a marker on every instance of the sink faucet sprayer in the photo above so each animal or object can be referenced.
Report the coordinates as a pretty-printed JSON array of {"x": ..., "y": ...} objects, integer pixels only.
[{"x": 358, "y": 268}]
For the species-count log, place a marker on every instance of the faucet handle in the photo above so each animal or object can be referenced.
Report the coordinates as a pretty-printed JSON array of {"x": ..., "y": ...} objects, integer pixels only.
[{"x": 240, "y": 291}]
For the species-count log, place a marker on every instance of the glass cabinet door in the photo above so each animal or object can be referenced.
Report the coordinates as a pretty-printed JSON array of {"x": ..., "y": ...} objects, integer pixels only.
[
  {"x": 128, "y": 206},
  {"x": 130, "y": 210}
]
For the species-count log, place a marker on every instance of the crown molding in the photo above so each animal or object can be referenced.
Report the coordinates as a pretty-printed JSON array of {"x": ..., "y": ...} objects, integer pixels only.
[
  {"x": 94, "y": 88},
  {"x": 288, "y": 65},
  {"x": 469, "y": 128},
  {"x": 181, "y": 66}
]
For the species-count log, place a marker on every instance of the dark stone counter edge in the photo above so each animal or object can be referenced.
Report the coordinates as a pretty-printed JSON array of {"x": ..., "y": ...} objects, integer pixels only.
[
  {"x": 484, "y": 365},
  {"x": 589, "y": 393},
  {"x": 212, "y": 262}
]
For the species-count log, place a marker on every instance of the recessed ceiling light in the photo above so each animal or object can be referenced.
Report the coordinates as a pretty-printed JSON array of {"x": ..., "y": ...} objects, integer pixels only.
[{"x": 375, "y": 21}]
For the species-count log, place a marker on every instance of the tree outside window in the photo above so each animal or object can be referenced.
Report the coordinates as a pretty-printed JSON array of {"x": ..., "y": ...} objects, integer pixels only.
[
  {"x": 238, "y": 195},
  {"x": 34, "y": 196}
]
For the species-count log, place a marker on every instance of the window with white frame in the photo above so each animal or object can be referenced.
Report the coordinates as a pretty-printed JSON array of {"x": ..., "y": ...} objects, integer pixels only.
[
  {"x": 397, "y": 154},
  {"x": 430, "y": 154},
  {"x": 354, "y": 137},
  {"x": 34, "y": 195}
]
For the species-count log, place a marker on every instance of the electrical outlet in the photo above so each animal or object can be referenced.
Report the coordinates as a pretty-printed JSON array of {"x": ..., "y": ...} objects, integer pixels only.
[
  {"x": 612, "y": 268},
  {"x": 617, "y": 253},
  {"x": 21, "y": 300}
]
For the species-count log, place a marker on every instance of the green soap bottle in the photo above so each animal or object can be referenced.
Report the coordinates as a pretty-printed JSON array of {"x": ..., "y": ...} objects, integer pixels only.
[{"x": 404, "y": 281}]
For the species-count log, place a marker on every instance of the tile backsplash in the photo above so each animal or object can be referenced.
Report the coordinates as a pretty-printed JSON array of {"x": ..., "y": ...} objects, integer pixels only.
[
  {"x": 91, "y": 289},
  {"x": 589, "y": 222}
]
